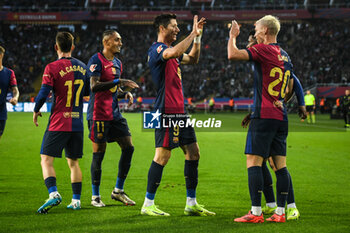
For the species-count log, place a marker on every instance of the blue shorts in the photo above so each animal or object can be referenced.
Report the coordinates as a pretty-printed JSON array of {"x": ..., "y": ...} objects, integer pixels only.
[
  {"x": 108, "y": 131},
  {"x": 55, "y": 141},
  {"x": 173, "y": 137},
  {"x": 2, "y": 126},
  {"x": 267, "y": 137}
]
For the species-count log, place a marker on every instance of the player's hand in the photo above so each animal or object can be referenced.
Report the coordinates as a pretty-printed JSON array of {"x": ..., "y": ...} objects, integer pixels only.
[
  {"x": 13, "y": 101},
  {"x": 198, "y": 25},
  {"x": 201, "y": 23},
  {"x": 128, "y": 83},
  {"x": 35, "y": 118},
  {"x": 234, "y": 31},
  {"x": 302, "y": 112},
  {"x": 251, "y": 43},
  {"x": 130, "y": 97},
  {"x": 246, "y": 120}
]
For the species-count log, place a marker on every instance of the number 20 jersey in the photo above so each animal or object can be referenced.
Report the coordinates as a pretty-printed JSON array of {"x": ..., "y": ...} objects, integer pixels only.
[
  {"x": 67, "y": 78},
  {"x": 272, "y": 71}
]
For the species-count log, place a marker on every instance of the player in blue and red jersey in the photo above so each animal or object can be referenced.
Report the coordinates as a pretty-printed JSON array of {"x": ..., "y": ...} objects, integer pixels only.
[
  {"x": 7, "y": 81},
  {"x": 66, "y": 78},
  {"x": 164, "y": 61},
  {"x": 268, "y": 129},
  {"x": 292, "y": 211},
  {"x": 106, "y": 124}
]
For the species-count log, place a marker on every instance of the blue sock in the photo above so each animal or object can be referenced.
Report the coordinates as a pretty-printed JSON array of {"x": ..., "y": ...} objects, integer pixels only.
[
  {"x": 282, "y": 186},
  {"x": 256, "y": 184},
  {"x": 191, "y": 177},
  {"x": 76, "y": 187},
  {"x": 268, "y": 187},
  {"x": 154, "y": 177},
  {"x": 50, "y": 183},
  {"x": 150, "y": 195},
  {"x": 120, "y": 183},
  {"x": 96, "y": 172},
  {"x": 290, "y": 197},
  {"x": 96, "y": 190}
]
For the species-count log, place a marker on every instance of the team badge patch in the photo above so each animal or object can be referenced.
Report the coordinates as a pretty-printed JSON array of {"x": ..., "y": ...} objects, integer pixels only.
[
  {"x": 159, "y": 49},
  {"x": 175, "y": 139},
  {"x": 93, "y": 67}
]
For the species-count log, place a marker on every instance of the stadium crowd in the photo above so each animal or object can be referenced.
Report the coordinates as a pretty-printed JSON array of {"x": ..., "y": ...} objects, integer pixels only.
[
  {"x": 316, "y": 58},
  {"x": 156, "y": 5}
]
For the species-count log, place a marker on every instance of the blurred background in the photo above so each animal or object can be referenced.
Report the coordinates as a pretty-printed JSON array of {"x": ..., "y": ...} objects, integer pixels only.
[{"x": 315, "y": 33}]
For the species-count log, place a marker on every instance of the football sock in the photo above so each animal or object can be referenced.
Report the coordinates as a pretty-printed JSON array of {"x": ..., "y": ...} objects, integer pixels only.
[
  {"x": 124, "y": 166},
  {"x": 268, "y": 187},
  {"x": 313, "y": 118},
  {"x": 280, "y": 210},
  {"x": 271, "y": 204},
  {"x": 191, "y": 201},
  {"x": 282, "y": 186},
  {"x": 154, "y": 177},
  {"x": 120, "y": 184},
  {"x": 308, "y": 118},
  {"x": 255, "y": 181},
  {"x": 50, "y": 183},
  {"x": 96, "y": 190},
  {"x": 290, "y": 197},
  {"x": 256, "y": 210},
  {"x": 291, "y": 205},
  {"x": 96, "y": 172},
  {"x": 191, "y": 178},
  {"x": 148, "y": 202},
  {"x": 76, "y": 187}
]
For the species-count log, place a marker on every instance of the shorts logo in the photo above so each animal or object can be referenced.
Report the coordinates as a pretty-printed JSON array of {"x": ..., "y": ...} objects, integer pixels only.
[
  {"x": 100, "y": 135},
  {"x": 151, "y": 120},
  {"x": 93, "y": 67},
  {"x": 175, "y": 139},
  {"x": 159, "y": 49}
]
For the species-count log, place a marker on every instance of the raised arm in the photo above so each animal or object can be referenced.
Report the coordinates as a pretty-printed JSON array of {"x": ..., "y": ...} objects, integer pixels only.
[
  {"x": 233, "y": 53},
  {"x": 181, "y": 47},
  {"x": 193, "y": 56}
]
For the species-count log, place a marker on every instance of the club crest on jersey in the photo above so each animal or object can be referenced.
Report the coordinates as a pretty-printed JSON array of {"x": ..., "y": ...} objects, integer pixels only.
[
  {"x": 114, "y": 71},
  {"x": 159, "y": 49},
  {"x": 93, "y": 67}
]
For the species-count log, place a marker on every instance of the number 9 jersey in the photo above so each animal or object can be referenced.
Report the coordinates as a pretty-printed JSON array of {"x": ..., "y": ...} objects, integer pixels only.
[{"x": 272, "y": 71}]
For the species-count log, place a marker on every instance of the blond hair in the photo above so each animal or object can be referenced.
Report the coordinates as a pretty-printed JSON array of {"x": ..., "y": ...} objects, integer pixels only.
[
  {"x": 2, "y": 50},
  {"x": 272, "y": 23}
]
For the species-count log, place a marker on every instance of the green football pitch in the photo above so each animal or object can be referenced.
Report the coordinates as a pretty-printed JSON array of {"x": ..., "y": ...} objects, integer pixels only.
[{"x": 318, "y": 160}]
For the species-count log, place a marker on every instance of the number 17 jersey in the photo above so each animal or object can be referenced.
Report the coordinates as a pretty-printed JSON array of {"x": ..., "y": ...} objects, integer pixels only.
[{"x": 67, "y": 78}]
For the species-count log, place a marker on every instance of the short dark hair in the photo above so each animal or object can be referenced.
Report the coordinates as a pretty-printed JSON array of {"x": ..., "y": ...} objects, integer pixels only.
[
  {"x": 65, "y": 41},
  {"x": 163, "y": 19},
  {"x": 2, "y": 50},
  {"x": 108, "y": 33}
]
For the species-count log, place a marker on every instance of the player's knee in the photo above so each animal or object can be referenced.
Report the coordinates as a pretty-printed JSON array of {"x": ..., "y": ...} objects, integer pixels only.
[
  {"x": 193, "y": 156},
  {"x": 46, "y": 160},
  {"x": 125, "y": 144},
  {"x": 72, "y": 163},
  {"x": 162, "y": 160}
]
